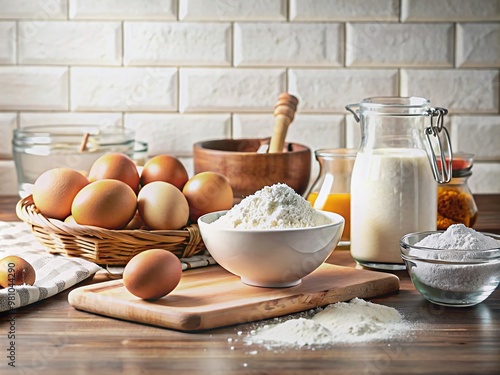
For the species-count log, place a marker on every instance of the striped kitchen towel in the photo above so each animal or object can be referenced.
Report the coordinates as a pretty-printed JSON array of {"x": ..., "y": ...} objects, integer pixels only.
[{"x": 54, "y": 273}]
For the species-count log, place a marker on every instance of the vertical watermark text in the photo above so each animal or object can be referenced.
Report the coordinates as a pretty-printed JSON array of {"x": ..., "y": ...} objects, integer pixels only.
[{"x": 11, "y": 334}]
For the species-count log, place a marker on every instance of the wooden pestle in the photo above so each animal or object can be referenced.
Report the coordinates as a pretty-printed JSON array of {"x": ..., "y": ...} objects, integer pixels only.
[{"x": 284, "y": 112}]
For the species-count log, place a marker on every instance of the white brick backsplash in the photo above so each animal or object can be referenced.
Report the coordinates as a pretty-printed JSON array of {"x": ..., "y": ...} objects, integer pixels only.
[
  {"x": 353, "y": 132},
  {"x": 172, "y": 43},
  {"x": 460, "y": 91},
  {"x": 330, "y": 90},
  {"x": 289, "y": 44},
  {"x": 7, "y": 42},
  {"x": 255, "y": 125},
  {"x": 175, "y": 134},
  {"x": 33, "y": 88},
  {"x": 39, "y": 11},
  {"x": 188, "y": 163},
  {"x": 485, "y": 178},
  {"x": 479, "y": 135},
  {"x": 379, "y": 44},
  {"x": 478, "y": 45},
  {"x": 123, "y": 89},
  {"x": 8, "y": 177},
  {"x": 229, "y": 90},
  {"x": 123, "y": 9},
  {"x": 450, "y": 10},
  {"x": 344, "y": 10},
  {"x": 76, "y": 43},
  {"x": 181, "y": 71},
  {"x": 232, "y": 10},
  {"x": 8, "y": 122},
  {"x": 314, "y": 131},
  {"x": 104, "y": 120}
]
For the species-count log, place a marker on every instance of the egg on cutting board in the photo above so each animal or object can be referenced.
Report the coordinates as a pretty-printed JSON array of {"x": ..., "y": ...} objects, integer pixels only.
[{"x": 152, "y": 274}]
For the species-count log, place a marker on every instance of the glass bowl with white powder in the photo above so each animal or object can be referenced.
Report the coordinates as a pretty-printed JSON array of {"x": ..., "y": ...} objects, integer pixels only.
[
  {"x": 272, "y": 238},
  {"x": 457, "y": 267}
]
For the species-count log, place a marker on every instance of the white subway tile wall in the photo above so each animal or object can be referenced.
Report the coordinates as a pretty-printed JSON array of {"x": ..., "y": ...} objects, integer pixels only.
[
  {"x": 8, "y": 122},
  {"x": 25, "y": 88},
  {"x": 183, "y": 71},
  {"x": 7, "y": 42},
  {"x": 398, "y": 44},
  {"x": 122, "y": 9},
  {"x": 288, "y": 44},
  {"x": 177, "y": 43},
  {"x": 329, "y": 90},
  {"x": 123, "y": 89},
  {"x": 71, "y": 43}
]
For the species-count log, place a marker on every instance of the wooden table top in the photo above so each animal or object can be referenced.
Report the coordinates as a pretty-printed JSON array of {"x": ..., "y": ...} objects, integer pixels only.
[{"x": 54, "y": 338}]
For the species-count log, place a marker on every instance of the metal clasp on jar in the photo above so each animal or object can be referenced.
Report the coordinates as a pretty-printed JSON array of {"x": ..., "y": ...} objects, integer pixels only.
[{"x": 442, "y": 170}]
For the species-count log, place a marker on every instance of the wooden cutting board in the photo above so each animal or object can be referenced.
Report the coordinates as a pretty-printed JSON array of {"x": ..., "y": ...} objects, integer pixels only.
[{"x": 211, "y": 297}]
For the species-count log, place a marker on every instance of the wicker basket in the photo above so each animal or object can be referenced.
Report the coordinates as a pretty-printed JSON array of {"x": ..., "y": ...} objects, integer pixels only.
[{"x": 104, "y": 246}]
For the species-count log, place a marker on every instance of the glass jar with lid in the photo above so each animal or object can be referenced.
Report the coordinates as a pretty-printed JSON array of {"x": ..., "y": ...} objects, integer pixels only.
[
  {"x": 395, "y": 176},
  {"x": 456, "y": 204},
  {"x": 39, "y": 148}
]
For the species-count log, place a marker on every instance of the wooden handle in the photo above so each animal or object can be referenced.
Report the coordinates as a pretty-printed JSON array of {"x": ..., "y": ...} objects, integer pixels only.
[{"x": 284, "y": 112}]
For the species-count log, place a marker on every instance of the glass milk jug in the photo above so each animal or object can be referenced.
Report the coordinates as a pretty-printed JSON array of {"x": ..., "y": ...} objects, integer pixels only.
[{"x": 395, "y": 175}]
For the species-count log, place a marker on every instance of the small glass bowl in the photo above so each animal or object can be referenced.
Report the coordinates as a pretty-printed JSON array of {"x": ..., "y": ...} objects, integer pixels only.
[{"x": 456, "y": 278}]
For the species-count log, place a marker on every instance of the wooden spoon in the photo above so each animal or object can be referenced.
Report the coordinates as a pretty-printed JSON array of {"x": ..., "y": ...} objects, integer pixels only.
[{"x": 284, "y": 112}]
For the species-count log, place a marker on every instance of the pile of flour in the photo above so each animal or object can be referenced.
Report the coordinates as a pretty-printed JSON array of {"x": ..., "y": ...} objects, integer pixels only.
[
  {"x": 342, "y": 322},
  {"x": 459, "y": 237},
  {"x": 273, "y": 207},
  {"x": 463, "y": 243}
]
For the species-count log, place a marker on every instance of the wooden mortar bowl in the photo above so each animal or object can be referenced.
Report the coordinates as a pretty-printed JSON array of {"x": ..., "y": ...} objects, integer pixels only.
[{"x": 249, "y": 171}]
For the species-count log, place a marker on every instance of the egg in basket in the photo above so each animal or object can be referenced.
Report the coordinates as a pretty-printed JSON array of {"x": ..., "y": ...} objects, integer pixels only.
[{"x": 117, "y": 212}]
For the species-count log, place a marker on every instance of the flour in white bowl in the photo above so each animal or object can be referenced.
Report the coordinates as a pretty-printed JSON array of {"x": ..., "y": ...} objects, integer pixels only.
[
  {"x": 342, "y": 322},
  {"x": 464, "y": 245},
  {"x": 273, "y": 207}
]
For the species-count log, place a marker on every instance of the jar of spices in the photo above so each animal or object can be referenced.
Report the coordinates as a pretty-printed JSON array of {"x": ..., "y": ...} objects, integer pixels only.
[{"x": 455, "y": 201}]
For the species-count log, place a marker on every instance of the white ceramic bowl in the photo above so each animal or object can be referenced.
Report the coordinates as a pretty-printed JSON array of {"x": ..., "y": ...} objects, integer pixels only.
[{"x": 271, "y": 257}]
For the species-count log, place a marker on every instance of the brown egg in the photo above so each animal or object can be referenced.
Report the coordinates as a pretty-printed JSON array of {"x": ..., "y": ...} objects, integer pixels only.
[
  {"x": 109, "y": 204},
  {"x": 163, "y": 206},
  {"x": 207, "y": 192},
  {"x": 54, "y": 190},
  {"x": 15, "y": 270},
  {"x": 165, "y": 168},
  {"x": 152, "y": 274},
  {"x": 115, "y": 166},
  {"x": 70, "y": 220},
  {"x": 136, "y": 222}
]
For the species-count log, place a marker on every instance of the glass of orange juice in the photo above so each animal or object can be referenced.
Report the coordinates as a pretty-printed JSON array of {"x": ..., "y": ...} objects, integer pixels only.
[{"x": 331, "y": 191}]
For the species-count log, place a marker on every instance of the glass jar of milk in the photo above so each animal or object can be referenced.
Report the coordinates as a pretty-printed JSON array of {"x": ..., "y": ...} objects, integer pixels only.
[{"x": 395, "y": 175}]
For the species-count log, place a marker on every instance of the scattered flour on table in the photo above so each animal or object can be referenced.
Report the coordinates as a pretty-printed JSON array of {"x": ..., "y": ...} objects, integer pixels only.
[
  {"x": 273, "y": 207},
  {"x": 465, "y": 243},
  {"x": 342, "y": 322}
]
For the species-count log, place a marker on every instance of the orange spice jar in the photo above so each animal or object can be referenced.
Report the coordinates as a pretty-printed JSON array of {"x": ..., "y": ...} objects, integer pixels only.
[{"x": 455, "y": 201}]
